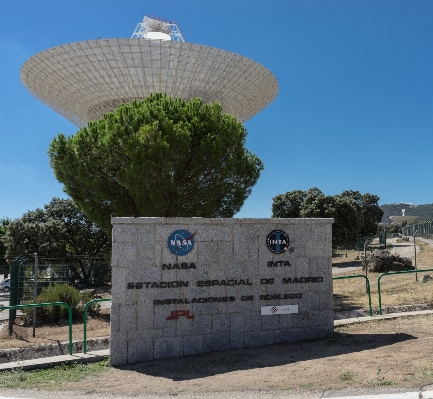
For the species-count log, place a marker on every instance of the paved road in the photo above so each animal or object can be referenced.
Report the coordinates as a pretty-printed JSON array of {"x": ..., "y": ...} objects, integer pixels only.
[{"x": 377, "y": 393}]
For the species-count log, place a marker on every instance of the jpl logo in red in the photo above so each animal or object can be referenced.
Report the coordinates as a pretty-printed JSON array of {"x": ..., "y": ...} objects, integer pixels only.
[{"x": 175, "y": 314}]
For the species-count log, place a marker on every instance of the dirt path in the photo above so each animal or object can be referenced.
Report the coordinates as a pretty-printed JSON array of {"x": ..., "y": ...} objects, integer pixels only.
[
  {"x": 404, "y": 249},
  {"x": 383, "y": 353}
]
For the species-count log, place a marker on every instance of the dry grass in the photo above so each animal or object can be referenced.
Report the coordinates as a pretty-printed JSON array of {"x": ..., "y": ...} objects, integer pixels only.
[
  {"x": 51, "y": 334},
  {"x": 396, "y": 290}
]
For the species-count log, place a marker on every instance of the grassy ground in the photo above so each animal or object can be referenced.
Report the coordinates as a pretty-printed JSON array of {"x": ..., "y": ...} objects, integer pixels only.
[
  {"x": 51, "y": 378},
  {"x": 396, "y": 290}
]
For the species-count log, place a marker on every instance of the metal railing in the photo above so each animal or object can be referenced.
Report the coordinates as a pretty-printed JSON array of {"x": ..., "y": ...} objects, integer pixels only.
[
  {"x": 35, "y": 305},
  {"x": 390, "y": 273},
  {"x": 367, "y": 283},
  {"x": 85, "y": 319}
]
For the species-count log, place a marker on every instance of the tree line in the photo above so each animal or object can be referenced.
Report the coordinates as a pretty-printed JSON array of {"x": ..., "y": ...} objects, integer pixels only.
[{"x": 354, "y": 214}]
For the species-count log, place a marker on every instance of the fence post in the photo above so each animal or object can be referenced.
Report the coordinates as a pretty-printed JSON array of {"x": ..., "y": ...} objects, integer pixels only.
[
  {"x": 13, "y": 293},
  {"x": 368, "y": 288},
  {"x": 35, "y": 289},
  {"x": 414, "y": 248}
]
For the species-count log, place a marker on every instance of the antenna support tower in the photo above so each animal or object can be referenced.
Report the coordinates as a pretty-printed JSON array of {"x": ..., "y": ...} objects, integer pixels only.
[{"x": 152, "y": 23}]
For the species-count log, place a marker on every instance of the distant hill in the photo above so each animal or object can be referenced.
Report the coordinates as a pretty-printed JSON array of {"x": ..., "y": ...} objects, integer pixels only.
[{"x": 424, "y": 212}]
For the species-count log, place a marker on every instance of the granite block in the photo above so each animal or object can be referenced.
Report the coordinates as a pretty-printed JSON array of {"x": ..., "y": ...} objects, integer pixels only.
[
  {"x": 128, "y": 316},
  {"x": 303, "y": 233},
  {"x": 281, "y": 336},
  {"x": 168, "y": 347},
  {"x": 146, "y": 246},
  {"x": 124, "y": 233},
  {"x": 270, "y": 322},
  {"x": 310, "y": 300},
  {"x": 220, "y": 323},
  {"x": 302, "y": 267},
  {"x": 140, "y": 350},
  {"x": 169, "y": 331},
  {"x": 237, "y": 323},
  {"x": 202, "y": 324},
  {"x": 208, "y": 252},
  {"x": 324, "y": 264},
  {"x": 326, "y": 300},
  {"x": 115, "y": 254},
  {"x": 321, "y": 233},
  {"x": 225, "y": 252},
  {"x": 318, "y": 319},
  {"x": 237, "y": 340},
  {"x": 118, "y": 285},
  {"x": 127, "y": 254},
  {"x": 253, "y": 322},
  {"x": 319, "y": 249},
  {"x": 258, "y": 338},
  {"x": 216, "y": 342},
  {"x": 192, "y": 344},
  {"x": 160, "y": 315},
  {"x": 286, "y": 321},
  {"x": 118, "y": 350},
  {"x": 300, "y": 320},
  {"x": 234, "y": 269},
  {"x": 115, "y": 318},
  {"x": 184, "y": 326},
  {"x": 205, "y": 308}
]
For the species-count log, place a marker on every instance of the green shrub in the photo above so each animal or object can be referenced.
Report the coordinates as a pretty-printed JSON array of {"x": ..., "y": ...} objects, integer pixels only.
[{"x": 60, "y": 293}]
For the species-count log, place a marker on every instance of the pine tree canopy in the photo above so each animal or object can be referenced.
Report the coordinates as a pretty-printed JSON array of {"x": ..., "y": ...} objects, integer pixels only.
[{"x": 159, "y": 157}]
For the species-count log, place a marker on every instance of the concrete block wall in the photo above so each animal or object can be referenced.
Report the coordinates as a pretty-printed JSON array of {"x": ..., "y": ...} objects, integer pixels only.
[{"x": 224, "y": 249}]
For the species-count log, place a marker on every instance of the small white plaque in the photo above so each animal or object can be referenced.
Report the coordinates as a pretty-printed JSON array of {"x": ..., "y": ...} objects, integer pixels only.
[{"x": 279, "y": 309}]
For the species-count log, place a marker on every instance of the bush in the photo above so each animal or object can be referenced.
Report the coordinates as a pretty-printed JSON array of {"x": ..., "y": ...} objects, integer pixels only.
[{"x": 61, "y": 293}]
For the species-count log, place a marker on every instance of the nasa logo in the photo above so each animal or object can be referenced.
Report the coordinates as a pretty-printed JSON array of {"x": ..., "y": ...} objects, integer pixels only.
[
  {"x": 277, "y": 241},
  {"x": 181, "y": 242}
]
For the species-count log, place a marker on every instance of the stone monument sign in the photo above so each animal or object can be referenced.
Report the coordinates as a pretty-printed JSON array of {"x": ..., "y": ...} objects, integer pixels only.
[{"x": 183, "y": 286}]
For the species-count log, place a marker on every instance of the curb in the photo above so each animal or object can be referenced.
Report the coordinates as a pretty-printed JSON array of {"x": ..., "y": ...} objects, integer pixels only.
[
  {"x": 383, "y": 317},
  {"x": 46, "y": 362}
]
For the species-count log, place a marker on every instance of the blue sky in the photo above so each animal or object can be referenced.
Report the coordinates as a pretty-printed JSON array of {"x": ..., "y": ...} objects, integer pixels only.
[{"x": 354, "y": 109}]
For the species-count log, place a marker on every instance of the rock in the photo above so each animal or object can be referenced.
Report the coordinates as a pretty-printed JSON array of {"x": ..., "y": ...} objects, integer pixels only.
[
  {"x": 426, "y": 278},
  {"x": 406, "y": 261},
  {"x": 383, "y": 261}
]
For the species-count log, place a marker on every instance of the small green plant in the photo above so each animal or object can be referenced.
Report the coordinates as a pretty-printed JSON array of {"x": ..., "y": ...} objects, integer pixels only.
[
  {"x": 10, "y": 379},
  {"x": 427, "y": 372},
  {"x": 306, "y": 386},
  {"x": 346, "y": 376},
  {"x": 61, "y": 293},
  {"x": 380, "y": 379}
]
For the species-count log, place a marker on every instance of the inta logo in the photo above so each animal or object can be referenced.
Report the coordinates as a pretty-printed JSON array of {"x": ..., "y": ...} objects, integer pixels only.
[{"x": 277, "y": 241}]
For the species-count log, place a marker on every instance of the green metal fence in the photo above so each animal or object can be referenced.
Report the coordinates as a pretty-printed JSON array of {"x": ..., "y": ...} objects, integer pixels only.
[
  {"x": 86, "y": 306},
  {"x": 36, "y": 305},
  {"x": 394, "y": 273}
]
